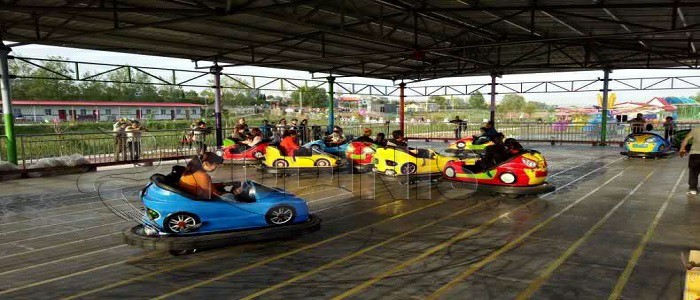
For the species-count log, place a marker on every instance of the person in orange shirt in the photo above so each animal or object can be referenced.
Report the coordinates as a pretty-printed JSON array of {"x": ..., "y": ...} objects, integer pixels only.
[
  {"x": 195, "y": 179},
  {"x": 290, "y": 147}
]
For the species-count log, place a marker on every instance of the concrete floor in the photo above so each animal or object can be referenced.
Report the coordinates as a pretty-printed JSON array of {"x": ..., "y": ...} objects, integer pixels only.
[{"x": 615, "y": 227}]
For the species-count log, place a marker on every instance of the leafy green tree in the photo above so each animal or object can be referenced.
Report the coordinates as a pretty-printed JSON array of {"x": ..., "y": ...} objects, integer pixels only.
[
  {"x": 439, "y": 100},
  {"x": 530, "y": 108},
  {"x": 512, "y": 103},
  {"x": 476, "y": 100},
  {"x": 50, "y": 80},
  {"x": 311, "y": 96}
]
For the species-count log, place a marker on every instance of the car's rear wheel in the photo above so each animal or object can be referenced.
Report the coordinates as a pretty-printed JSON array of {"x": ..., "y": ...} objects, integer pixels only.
[
  {"x": 322, "y": 163},
  {"x": 182, "y": 222},
  {"x": 450, "y": 172},
  {"x": 258, "y": 154},
  {"x": 280, "y": 215},
  {"x": 280, "y": 163},
  {"x": 409, "y": 168}
]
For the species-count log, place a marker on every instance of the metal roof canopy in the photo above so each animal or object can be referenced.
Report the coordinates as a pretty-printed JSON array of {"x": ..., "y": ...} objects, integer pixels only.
[{"x": 389, "y": 39}]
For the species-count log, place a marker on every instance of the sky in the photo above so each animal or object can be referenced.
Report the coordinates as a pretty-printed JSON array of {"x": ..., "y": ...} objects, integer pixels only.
[{"x": 561, "y": 99}]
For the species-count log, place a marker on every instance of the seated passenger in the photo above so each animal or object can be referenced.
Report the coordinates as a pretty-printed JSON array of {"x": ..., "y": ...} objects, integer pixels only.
[
  {"x": 398, "y": 139},
  {"x": 195, "y": 179},
  {"x": 380, "y": 139},
  {"x": 481, "y": 138},
  {"x": 290, "y": 147},
  {"x": 253, "y": 139},
  {"x": 365, "y": 137},
  {"x": 649, "y": 127},
  {"x": 240, "y": 194},
  {"x": 494, "y": 154},
  {"x": 514, "y": 148},
  {"x": 336, "y": 138}
]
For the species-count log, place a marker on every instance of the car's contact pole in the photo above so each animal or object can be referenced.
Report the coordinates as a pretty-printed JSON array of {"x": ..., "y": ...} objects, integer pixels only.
[{"x": 216, "y": 70}]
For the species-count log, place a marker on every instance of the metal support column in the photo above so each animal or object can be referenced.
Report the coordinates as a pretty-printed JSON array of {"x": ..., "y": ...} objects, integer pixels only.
[
  {"x": 402, "y": 106},
  {"x": 5, "y": 90},
  {"x": 216, "y": 70},
  {"x": 331, "y": 103},
  {"x": 492, "y": 117},
  {"x": 604, "y": 116}
]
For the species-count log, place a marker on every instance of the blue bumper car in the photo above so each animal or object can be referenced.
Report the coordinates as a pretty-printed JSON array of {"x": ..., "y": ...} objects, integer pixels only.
[
  {"x": 176, "y": 221},
  {"x": 338, "y": 150},
  {"x": 647, "y": 144}
]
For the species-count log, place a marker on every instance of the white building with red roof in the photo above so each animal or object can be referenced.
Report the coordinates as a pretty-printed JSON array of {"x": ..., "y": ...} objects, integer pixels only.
[{"x": 46, "y": 110}]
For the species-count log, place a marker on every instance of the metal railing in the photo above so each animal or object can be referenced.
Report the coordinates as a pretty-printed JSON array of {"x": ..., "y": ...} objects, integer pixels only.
[
  {"x": 558, "y": 132},
  {"x": 104, "y": 148}
]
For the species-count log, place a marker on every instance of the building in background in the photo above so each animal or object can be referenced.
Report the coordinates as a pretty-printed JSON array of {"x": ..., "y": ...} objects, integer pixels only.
[{"x": 47, "y": 110}]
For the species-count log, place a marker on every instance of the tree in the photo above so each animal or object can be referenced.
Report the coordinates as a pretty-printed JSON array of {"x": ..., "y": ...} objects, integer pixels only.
[
  {"x": 476, "y": 100},
  {"x": 51, "y": 80},
  {"x": 530, "y": 108},
  {"x": 511, "y": 103},
  {"x": 439, "y": 100},
  {"x": 311, "y": 96},
  {"x": 234, "y": 92}
]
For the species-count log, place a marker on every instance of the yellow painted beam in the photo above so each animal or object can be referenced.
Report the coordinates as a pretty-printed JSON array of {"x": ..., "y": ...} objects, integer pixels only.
[{"x": 692, "y": 277}]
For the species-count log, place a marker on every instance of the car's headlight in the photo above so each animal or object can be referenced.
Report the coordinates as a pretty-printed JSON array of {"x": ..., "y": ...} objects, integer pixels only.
[
  {"x": 152, "y": 214},
  {"x": 631, "y": 140},
  {"x": 650, "y": 140},
  {"x": 529, "y": 163},
  {"x": 367, "y": 150},
  {"x": 350, "y": 149},
  {"x": 461, "y": 145},
  {"x": 391, "y": 163}
]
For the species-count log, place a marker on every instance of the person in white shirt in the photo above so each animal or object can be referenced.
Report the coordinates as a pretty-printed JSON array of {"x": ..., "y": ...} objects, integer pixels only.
[
  {"x": 120, "y": 139},
  {"x": 133, "y": 139},
  {"x": 693, "y": 159}
]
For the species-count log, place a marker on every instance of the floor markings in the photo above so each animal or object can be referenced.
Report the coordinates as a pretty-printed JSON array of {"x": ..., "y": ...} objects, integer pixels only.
[
  {"x": 463, "y": 235},
  {"x": 624, "y": 277},
  {"x": 547, "y": 272},
  {"x": 512, "y": 244}
]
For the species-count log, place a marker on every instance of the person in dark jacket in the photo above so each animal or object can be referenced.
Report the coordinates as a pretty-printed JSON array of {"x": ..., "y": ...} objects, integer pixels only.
[
  {"x": 494, "y": 154},
  {"x": 398, "y": 139}
]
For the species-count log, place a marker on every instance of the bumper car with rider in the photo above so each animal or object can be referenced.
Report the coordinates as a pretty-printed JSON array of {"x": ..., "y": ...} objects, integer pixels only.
[
  {"x": 409, "y": 165},
  {"x": 360, "y": 155},
  {"x": 322, "y": 146},
  {"x": 523, "y": 174},
  {"x": 252, "y": 155},
  {"x": 276, "y": 162},
  {"x": 647, "y": 144},
  {"x": 178, "y": 222},
  {"x": 470, "y": 144}
]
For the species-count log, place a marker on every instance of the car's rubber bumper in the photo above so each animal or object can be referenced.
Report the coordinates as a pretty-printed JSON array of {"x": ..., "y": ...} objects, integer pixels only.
[
  {"x": 648, "y": 154},
  {"x": 134, "y": 236},
  {"x": 504, "y": 189},
  {"x": 409, "y": 177},
  {"x": 362, "y": 168}
]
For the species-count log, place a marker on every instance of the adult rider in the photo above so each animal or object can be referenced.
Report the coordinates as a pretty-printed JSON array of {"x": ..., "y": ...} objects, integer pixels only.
[
  {"x": 290, "y": 147},
  {"x": 196, "y": 180},
  {"x": 336, "y": 138},
  {"x": 366, "y": 137},
  {"x": 494, "y": 154}
]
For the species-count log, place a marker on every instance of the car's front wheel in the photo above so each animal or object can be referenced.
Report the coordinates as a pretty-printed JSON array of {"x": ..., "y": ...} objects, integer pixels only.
[
  {"x": 323, "y": 163},
  {"x": 409, "y": 168},
  {"x": 280, "y": 215},
  {"x": 182, "y": 222}
]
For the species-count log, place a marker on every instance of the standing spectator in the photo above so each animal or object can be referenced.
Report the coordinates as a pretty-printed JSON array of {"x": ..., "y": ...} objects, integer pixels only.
[
  {"x": 638, "y": 123},
  {"x": 693, "y": 159},
  {"x": 119, "y": 129},
  {"x": 282, "y": 126},
  {"x": 241, "y": 123},
  {"x": 304, "y": 131},
  {"x": 266, "y": 129},
  {"x": 133, "y": 139},
  {"x": 669, "y": 128},
  {"x": 461, "y": 125},
  {"x": 199, "y": 134}
]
